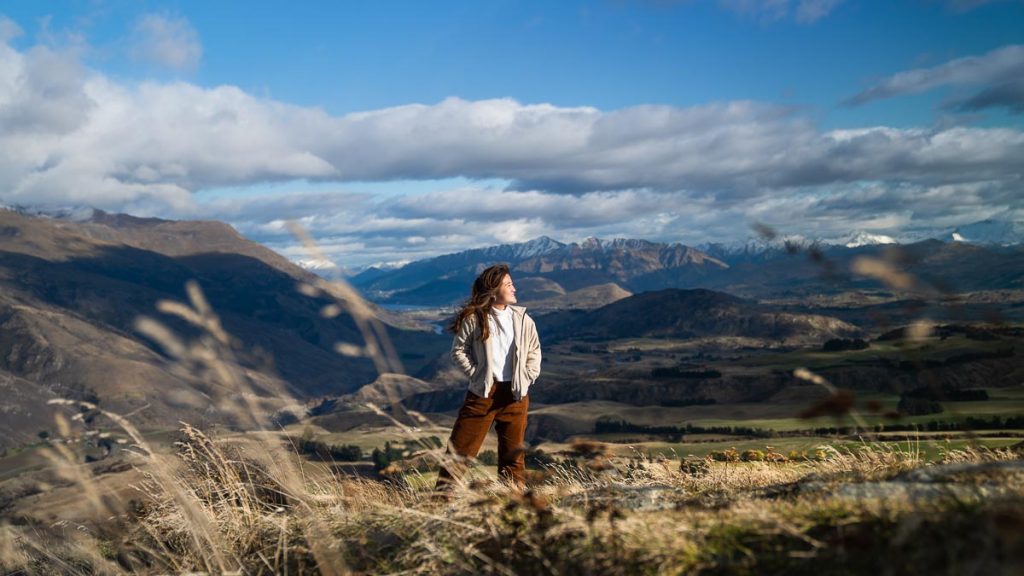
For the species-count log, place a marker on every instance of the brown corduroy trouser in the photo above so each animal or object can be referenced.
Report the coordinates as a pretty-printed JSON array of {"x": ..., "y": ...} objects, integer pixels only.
[{"x": 472, "y": 424}]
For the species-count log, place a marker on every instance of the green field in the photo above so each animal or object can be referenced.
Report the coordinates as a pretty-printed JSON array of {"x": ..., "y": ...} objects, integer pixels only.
[
  {"x": 932, "y": 349},
  {"x": 779, "y": 417},
  {"x": 783, "y": 416},
  {"x": 928, "y": 449}
]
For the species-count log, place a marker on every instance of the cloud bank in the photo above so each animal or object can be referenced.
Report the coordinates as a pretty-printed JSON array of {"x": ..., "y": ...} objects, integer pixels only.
[
  {"x": 1000, "y": 73},
  {"x": 802, "y": 11},
  {"x": 72, "y": 135},
  {"x": 69, "y": 133},
  {"x": 166, "y": 41}
]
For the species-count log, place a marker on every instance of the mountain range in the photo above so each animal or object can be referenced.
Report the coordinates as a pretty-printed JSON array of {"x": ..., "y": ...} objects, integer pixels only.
[
  {"x": 628, "y": 263},
  {"x": 780, "y": 267},
  {"x": 993, "y": 231}
]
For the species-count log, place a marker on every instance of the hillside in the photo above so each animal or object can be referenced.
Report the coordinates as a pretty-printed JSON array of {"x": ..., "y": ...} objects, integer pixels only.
[
  {"x": 583, "y": 299},
  {"x": 697, "y": 313},
  {"x": 70, "y": 295}
]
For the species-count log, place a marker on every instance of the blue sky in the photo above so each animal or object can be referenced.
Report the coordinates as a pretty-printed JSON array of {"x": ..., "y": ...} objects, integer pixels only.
[{"x": 400, "y": 130}]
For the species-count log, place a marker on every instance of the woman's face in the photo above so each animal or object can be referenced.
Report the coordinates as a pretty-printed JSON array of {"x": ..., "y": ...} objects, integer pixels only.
[{"x": 506, "y": 292}]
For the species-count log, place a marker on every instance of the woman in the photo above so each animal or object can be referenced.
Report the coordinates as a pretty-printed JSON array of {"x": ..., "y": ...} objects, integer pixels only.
[{"x": 496, "y": 346}]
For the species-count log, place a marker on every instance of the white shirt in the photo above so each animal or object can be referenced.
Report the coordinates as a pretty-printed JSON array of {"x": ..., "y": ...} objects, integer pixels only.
[{"x": 502, "y": 343}]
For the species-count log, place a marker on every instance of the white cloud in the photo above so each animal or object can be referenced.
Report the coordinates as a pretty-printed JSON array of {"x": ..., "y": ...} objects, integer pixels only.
[
  {"x": 586, "y": 210},
  {"x": 802, "y": 11},
  {"x": 44, "y": 95},
  {"x": 997, "y": 67},
  {"x": 166, "y": 41},
  {"x": 733, "y": 149},
  {"x": 1009, "y": 95},
  {"x": 379, "y": 230},
  {"x": 810, "y": 11},
  {"x": 72, "y": 135},
  {"x": 9, "y": 29},
  {"x": 356, "y": 230},
  {"x": 767, "y": 10}
]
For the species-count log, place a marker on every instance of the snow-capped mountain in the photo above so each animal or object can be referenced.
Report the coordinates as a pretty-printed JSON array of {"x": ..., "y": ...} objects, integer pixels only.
[
  {"x": 418, "y": 272},
  {"x": 993, "y": 231},
  {"x": 316, "y": 264},
  {"x": 73, "y": 213},
  {"x": 523, "y": 250},
  {"x": 758, "y": 248},
  {"x": 324, "y": 267},
  {"x": 755, "y": 247},
  {"x": 572, "y": 265},
  {"x": 858, "y": 239},
  {"x": 594, "y": 243}
]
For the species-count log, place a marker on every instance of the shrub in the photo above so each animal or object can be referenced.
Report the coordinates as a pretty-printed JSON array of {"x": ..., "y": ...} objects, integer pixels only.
[
  {"x": 727, "y": 455},
  {"x": 841, "y": 344},
  {"x": 693, "y": 466},
  {"x": 918, "y": 406},
  {"x": 323, "y": 451},
  {"x": 538, "y": 458},
  {"x": 752, "y": 455},
  {"x": 676, "y": 372},
  {"x": 933, "y": 393},
  {"x": 383, "y": 458}
]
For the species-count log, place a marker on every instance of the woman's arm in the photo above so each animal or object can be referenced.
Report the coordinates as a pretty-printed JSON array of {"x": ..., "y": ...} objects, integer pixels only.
[
  {"x": 532, "y": 351},
  {"x": 462, "y": 348}
]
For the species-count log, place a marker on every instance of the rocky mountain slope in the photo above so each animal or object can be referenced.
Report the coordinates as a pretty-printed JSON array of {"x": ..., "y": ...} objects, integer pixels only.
[
  {"x": 564, "y": 267},
  {"x": 70, "y": 294},
  {"x": 754, "y": 269}
]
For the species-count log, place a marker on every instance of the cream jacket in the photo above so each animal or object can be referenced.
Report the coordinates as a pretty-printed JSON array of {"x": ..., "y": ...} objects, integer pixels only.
[{"x": 472, "y": 355}]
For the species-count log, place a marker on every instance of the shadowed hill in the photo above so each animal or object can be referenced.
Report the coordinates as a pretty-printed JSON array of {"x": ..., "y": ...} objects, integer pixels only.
[
  {"x": 68, "y": 303},
  {"x": 583, "y": 299},
  {"x": 531, "y": 288},
  {"x": 675, "y": 313},
  {"x": 948, "y": 267}
]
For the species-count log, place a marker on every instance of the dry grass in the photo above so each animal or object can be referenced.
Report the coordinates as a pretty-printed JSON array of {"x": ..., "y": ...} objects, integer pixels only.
[{"x": 583, "y": 515}]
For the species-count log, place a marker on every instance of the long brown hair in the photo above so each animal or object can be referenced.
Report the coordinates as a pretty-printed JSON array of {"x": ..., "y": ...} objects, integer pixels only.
[{"x": 485, "y": 291}]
